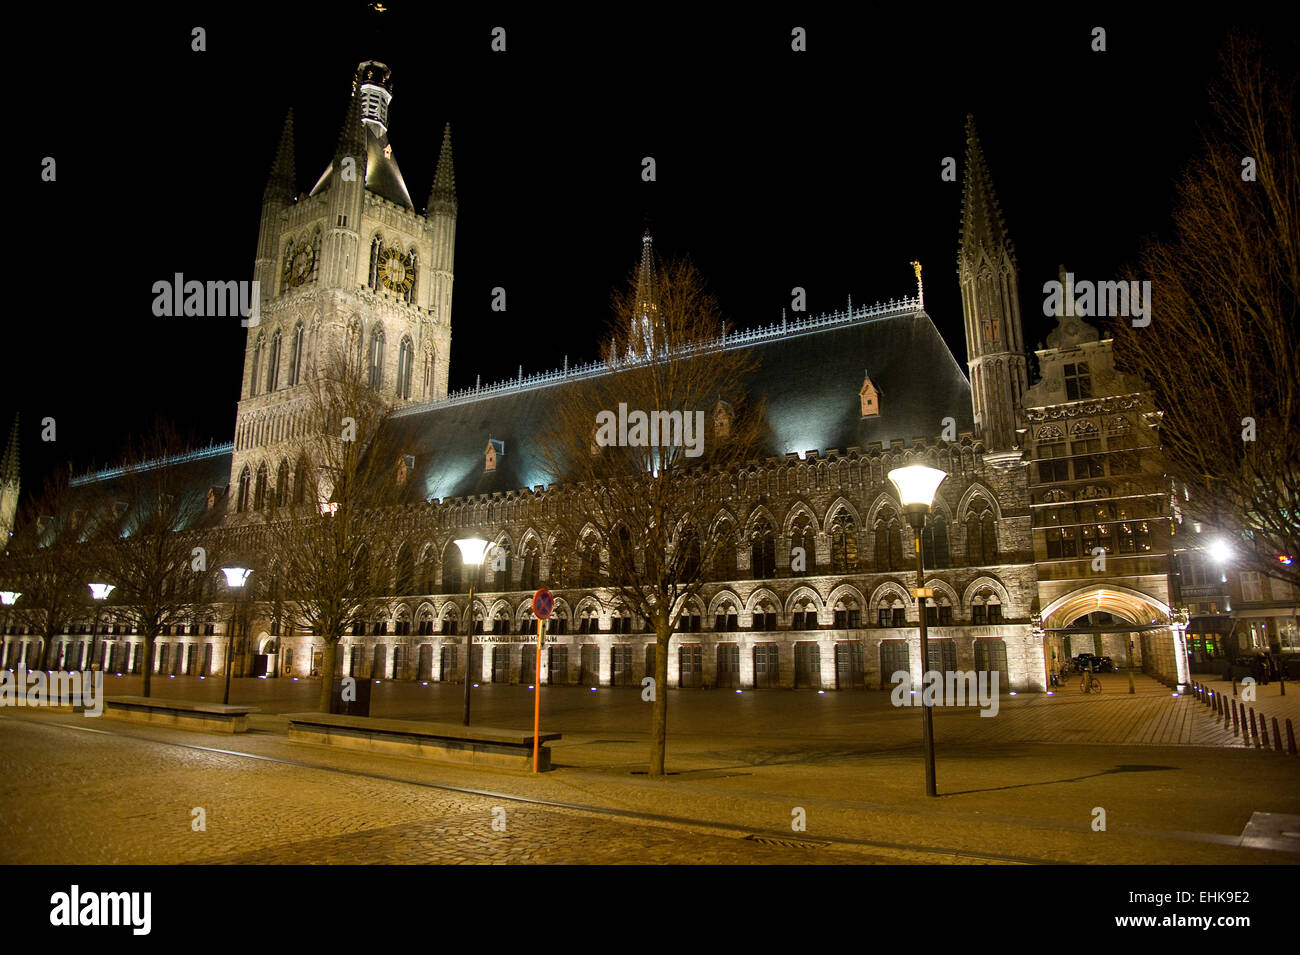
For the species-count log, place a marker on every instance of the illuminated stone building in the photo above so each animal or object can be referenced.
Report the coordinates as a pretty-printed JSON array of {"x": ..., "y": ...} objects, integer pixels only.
[{"x": 850, "y": 395}]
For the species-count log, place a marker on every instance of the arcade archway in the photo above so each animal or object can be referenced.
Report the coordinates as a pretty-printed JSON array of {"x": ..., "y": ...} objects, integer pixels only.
[{"x": 1131, "y": 627}]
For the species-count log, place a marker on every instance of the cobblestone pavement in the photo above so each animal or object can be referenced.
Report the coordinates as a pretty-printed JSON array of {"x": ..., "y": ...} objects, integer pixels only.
[{"x": 1018, "y": 786}]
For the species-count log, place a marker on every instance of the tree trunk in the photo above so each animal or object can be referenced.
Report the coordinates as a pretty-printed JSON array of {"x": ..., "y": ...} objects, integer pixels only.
[
  {"x": 327, "y": 673},
  {"x": 146, "y": 665},
  {"x": 659, "y": 709}
]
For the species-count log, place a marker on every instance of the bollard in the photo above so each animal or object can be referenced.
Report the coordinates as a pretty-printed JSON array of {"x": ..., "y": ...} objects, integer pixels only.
[
  {"x": 1254, "y": 731},
  {"x": 1226, "y": 719},
  {"x": 1236, "y": 731},
  {"x": 1290, "y": 738},
  {"x": 1281, "y": 682},
  {"x": 1234, "y": 686},
  {"x": 1277, "y": 736},
  {"x": 1218, "y": 705}
]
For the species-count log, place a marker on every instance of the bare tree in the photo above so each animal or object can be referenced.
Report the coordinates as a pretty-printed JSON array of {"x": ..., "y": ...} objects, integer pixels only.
[
  {"x": 645, "y": 455},
  {"x": 152, "y": 548},
  {"x": 50, "y": 561},
  {"x": 1221, "y": 354},
  {"x": 332, "y": 544}
]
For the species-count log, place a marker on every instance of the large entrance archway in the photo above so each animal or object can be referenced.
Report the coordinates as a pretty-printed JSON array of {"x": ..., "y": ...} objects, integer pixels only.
[{"x": 1146, "y": 619}]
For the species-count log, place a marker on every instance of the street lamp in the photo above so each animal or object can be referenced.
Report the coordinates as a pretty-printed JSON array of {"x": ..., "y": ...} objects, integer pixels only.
[
  {"x": 472, "y": 550},
  {"x": 236, "y": 577},
  {"x": 916, "y": 486},
  {"x": 100, "y": 593},
  {"x": 7, "y": 598}
]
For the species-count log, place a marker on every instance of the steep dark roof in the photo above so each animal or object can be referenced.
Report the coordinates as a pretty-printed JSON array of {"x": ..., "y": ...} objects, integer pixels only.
[
  {"x": 194, "y": 474},
  {"x": 811, "y": 378},
  {"x": 382, "y": 175}
]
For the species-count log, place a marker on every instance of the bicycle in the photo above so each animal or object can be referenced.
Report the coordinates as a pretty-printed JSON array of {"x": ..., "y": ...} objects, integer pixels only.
[{"x": 1089, "y": 684}]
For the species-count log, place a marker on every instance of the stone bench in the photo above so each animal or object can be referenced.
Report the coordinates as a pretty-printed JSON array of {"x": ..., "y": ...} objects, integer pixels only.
[
  {"x": 442, "y": 742},
  {"x": 179, "y": 714}
]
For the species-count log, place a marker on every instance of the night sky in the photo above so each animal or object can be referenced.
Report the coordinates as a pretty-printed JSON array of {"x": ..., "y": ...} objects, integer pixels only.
[{"x": 775, "y": 169}]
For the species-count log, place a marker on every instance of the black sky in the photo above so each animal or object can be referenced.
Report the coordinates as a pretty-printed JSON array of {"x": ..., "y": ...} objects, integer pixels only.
[{"x": 775, "y": 169}]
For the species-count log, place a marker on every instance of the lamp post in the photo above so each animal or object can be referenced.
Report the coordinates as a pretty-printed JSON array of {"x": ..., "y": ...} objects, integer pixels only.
[
  {"x": 472, "y": 550},
  {"x": 100, "y": 593},
  {"x": 236, "y": 577},
  {"x": 7, "y": 599},
  {"x": 916, "y": 486}
]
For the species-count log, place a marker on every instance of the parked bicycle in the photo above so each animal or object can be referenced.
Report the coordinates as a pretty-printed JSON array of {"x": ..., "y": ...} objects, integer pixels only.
[{"x": 1089, "y": 684}]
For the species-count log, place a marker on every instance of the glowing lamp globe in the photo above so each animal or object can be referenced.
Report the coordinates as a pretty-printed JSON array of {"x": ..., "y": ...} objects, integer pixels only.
[
  {"x": 472, "y": 550},
  {"x": 916, "y": 485},
  {"x": 236, "y": 576},
  {"x": 1219, "y": 550},
  {"x": 7, "y": 597},
  {"x": 101, "y": 591}
]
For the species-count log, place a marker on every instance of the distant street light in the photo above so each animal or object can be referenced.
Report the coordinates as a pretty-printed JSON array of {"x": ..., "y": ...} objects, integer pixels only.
[
  {"x": 472, "y": 550},
  {"x": 236, "y": 577},
  {"x": 916, "y": 486},
  {"x": 7, "y": 598},
  {"x": 99, "y": 592}
]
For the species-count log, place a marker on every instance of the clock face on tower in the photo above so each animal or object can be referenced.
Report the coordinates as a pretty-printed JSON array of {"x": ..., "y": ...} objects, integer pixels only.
[
  {"x": 300, "y": 265},
  {"x": 396, "y": 270}
]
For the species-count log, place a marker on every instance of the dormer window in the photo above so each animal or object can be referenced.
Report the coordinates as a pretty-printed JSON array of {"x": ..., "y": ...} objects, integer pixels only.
[
  {"x": 405, "y": 465},
  {"x": 870, "y": 398},
  {"x": 723, "y": 415},
  {"x": 494, "y": 450}
]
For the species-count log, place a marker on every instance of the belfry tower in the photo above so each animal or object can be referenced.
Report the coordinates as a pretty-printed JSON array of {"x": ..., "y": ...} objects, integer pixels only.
[
  {"x": 986, "y": 269},
  {"x": 9, "y": 486},
  {"x": 350, "y": 264}
]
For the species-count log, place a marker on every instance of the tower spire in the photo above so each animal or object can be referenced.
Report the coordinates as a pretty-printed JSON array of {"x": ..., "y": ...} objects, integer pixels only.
[
  {"x": 281, "y": 184},
  {"x": 986, "y": 270},
  {"x": 9, "y": 472},
  {"x": 981, "y": 220},
  {"x": 647, "y": 299},
  {"x": 352, "y": 137},
  {"x": 443, "y": 192},
  {"x": 9, "y": 478}
]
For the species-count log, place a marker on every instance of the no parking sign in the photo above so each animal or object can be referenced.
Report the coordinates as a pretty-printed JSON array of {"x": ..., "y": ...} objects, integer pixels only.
[{"x": 543, "y": 603}]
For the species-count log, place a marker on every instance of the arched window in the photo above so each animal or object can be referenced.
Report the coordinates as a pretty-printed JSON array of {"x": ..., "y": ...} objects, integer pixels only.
[
  {"x": 762, "y": 552},
  {"x": 415, "y": 275},
  {"x": 376, "y": 246},
  {"x": 560, "y": 564},
  {"x": 273, "y": 365},
  {"x": 690, "y": 543},
  {"x": 428, "y": 374},
  {"x": 295, "y": 355},
  {"x": 934, "y": 540},
  {"x": 501, "y": 562},
  {"x": 452, "y": 565},
  {"x": 377, "y": 358},
  {"x": 724, "y": 554},
  {"x": 844, "y": 543},
  {"x": 589, "y": 566},
  {"x": 405, "y": 364},
  {"x": 981, "y": 534},
  {"x": 286, "y": 268},
  {"x": 530, "y": 571},
  {"x": 801, "y": 535},
  {"x": 889, "y": 542},
  {"x": 302, "y": 481},
  {"x": 259, "y": 488},
  {"x": 282, "y": 483},
  {"x": 258, "y": 352},
  {"x": 404, "y": 584},
  {"x": 242, "y": 501}
]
